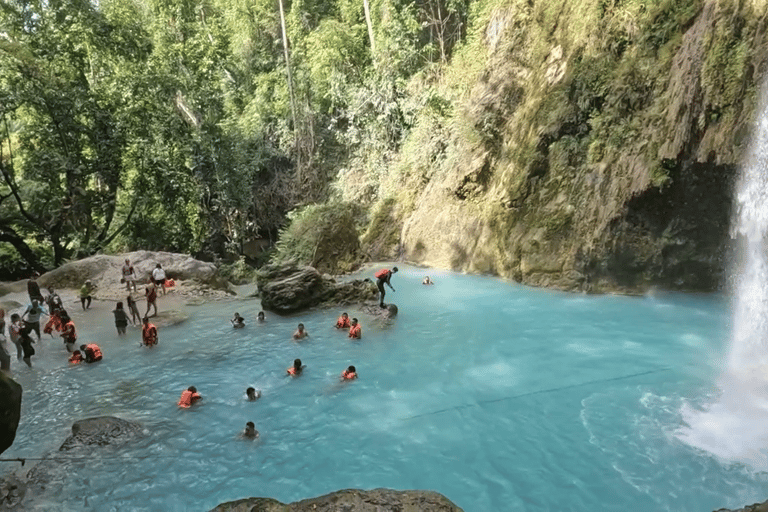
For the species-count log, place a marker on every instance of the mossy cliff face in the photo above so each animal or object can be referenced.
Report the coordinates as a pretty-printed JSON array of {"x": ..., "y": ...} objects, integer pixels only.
[{"x": 588, "y": 145}]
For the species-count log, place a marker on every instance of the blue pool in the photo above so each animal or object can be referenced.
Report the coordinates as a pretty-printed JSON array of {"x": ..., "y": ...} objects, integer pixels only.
[{"x": 499, "y": 396}]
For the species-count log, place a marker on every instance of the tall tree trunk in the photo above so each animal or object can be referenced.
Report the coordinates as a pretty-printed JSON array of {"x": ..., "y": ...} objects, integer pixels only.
[
  {"x": 288, "y": 65},
  {"x": 7, "y": 234},
  {"x": 367, "y": 9}
]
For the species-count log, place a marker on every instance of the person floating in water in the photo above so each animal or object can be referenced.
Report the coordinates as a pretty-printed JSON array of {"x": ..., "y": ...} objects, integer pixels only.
[
  {"x": 189, "y": 397},
  {"x": 151, "y": 292},
  {"x": 349, "y": 374},
  {"x": 260, "y": 317},
  {"x": 355, "y": 331},
  {"x": 238, "y": 322},
  {"x": 296, "y": 369},
  {"x": 68, "y": 332},
  {"x": 300, "y": 333},
  {"x": 250, "y": 431},
  {"x": 427, "y": 280},
  {"x": 31, "y": 317},
  {"x": 253, "y": 394},
  {"x": 121, "y": 318},
  {"x": 343, "y": 321},
  {"x": 92, "y": 352},
  {"x": 76, "y": 358},
  {"x": 129, "y": 276},
  {"x": 148, "y": 333},
  {"x": 383, "y": 277},
  {"x": 85, "y": 294}
]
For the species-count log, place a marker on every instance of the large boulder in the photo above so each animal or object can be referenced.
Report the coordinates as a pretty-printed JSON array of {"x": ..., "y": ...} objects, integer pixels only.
[
  {"x": 288, "y": 288},
  {"x": 10, "y": 410},
  {"x": 100, "y": 431},
  {"x": 104, "y": 270},
  {"x": 376, "y": 311},
  {"x": 350, "y": 500}
]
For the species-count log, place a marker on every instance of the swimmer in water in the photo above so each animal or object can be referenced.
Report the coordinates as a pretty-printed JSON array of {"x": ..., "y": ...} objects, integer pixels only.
[
  {"x": 189, "y": 397},
  {"x": 260, "y": 317},
  {"x": 300, "y": 333},
  {"x": 343, "y": 321},
  {"x": 355, "y": 331},
  {"x": 296, "y": 369},
  {"x": 253, "y": 394},
  {"x": 76, "y": 358},
  {"x": 250, "y": 431},
  {"x": 92, "y": 352},
  {"x": 349, "y": 374},
  {"x": 238, "y": 322},
  {"x": 427, "y": 280}
]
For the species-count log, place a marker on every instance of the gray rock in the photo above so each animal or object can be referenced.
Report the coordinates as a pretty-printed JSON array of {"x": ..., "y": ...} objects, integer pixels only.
[
  {"x": 350, "y": 500},
  {"x": 288, "y": 288},
  {"x": 169, "y": 318},
  {"x": 10, "y": 410},
  {"x": 100, "y": 431},
  {"x": 376, "y": 311},
  {"x": 757, "y": 507}
]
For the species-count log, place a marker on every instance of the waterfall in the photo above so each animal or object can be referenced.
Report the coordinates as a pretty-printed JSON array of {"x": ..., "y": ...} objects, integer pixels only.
[{"x": 749, "y": 343}]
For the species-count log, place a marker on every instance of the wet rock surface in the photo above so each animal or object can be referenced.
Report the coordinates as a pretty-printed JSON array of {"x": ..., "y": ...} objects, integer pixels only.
[
  {"x": 376, "y": 311},
  {"x": 757, "y": 507},
  {"x": 350, "y": 500},
  {"x": 100, "y": 431},
  {"x": 289, "y": 288},
  {"x": 10, "y": 410}
]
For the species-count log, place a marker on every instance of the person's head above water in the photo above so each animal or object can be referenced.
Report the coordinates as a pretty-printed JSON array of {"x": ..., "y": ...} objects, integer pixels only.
[
  {"x": 82, "y": 347},
  {"x": 351, "y": 369},
  {"x": 301, "y": 327},
  {"x": 145, "y": 320},
  {"x": 251, "y": 393},
  {"x": 394, "y": 269},
  {"x": 260, "y": 315},
  {"x": 354, "y": 321},
  {"x": 344, "y": 315},
  {"x": 192, "y": 389},
  {"x": 297, "y": 364},
  {"x": 250, "y": 430}
]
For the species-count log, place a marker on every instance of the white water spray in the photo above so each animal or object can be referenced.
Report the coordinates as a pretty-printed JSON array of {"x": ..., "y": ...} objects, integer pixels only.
[{"x": 735, "y": 426}]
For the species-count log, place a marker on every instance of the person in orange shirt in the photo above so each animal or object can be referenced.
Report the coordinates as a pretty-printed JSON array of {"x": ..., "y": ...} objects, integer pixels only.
[
  {"x": 349, "y": 374},
  {"x": 76, "y": 358},
  {"x": 296, "y": 369},
  {"x": 343, "y": 321},
  {"x": 92, "y": 352},
  {"x": 149, "y": 333},
  {"x": 355, "y": 331},
  {"x": 68, "y": 332},
  {"x": 189, "y": 397}
]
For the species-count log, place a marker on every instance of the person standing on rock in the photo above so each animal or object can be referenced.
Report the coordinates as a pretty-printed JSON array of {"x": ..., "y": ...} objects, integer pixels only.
[
  {"x": 129, "y": 275},
  {"x": 158, "y": 275},
  {"x": 151, "y": 293},
  {"x": 382, "y": 277},
  {"x": 33, "y": 289}
]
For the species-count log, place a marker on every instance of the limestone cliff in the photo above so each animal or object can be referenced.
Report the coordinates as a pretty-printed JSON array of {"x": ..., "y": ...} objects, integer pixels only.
[{"x": 580, "y": 144}]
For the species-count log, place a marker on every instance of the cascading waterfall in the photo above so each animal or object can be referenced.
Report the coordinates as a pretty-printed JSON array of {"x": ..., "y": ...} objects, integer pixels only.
[
  {"x": 749, "y": 345},
  {"x": 734, "y": 425}
]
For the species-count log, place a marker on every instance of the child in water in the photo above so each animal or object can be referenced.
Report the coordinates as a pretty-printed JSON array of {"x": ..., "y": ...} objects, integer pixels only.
[
  {"x": 300, "y": 333},
  {"x": 427, "y": 280},
  {"x": 253, "y": 394},
  {"x": 76, "y": 358},
  {"x": 238, "y": 322},
  {"x": 189, "y": 397},
  {"x": 343, "y": 321},
  {"x": 355, "y": 331},
  {"x": 296, "y": 369},
  {"x": 260, "y": 317}
]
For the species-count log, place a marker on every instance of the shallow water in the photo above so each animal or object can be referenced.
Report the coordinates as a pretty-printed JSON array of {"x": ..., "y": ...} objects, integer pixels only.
[{"x": 499, "y": 396}]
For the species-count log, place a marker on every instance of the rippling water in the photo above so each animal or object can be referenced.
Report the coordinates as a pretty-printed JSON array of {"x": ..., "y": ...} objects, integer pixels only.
[{"x": 499, "y": 396}]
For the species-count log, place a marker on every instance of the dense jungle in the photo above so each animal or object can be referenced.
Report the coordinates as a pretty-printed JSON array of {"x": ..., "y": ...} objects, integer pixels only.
[{"x": 580, "y": 144}]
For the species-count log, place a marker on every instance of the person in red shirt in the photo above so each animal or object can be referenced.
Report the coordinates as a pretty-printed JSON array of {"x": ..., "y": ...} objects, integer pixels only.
[
  {"x": 382, "y": 277},
  {"x": 76, "y": 358},
  {"x": 355, "y": 331},
  {"x": 151, "y": 292},
  {"x": 68, "y": 332},
  {"x": 349, "y": 374},
  {"x": 92, "y": 352},
  {"x": 343, "y": 321},
  {"x": 296, "y": 369},
  {"x": 189, "y": 397}
]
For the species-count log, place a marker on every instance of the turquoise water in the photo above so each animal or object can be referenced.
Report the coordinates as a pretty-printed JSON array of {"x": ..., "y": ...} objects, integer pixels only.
[{"x": 499, "y": 396}]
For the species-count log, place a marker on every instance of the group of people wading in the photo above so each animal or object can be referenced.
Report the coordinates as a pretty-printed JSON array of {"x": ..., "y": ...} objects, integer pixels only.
[
  {"x": 23, "y": 325},
  {"x": 190, "y": 396}
]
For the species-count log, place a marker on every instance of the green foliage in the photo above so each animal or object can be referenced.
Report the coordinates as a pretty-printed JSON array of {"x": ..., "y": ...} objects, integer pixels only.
[
  {"x": 321, "y": 235},
  {"x": 237, "y": 272}
]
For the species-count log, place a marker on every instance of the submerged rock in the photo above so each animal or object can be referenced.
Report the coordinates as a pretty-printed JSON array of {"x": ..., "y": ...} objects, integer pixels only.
[
  {"x": 10, "y": 410},
  {"x": 169, "y": 318},
  {"x": 374, "y": 310},
  {"x": 100, "y": 431},
  {"x": 288, "y": 288},
  {"x": 350, "y": 500}
]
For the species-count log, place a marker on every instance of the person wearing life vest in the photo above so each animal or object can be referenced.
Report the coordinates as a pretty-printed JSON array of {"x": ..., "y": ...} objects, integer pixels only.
[
  {"x": 149, "y": 333},
  {"x": 76, "y": 358},
  {"x": 189, "y": 397},
  {"x": 92, "y": 352},
  {"x": 296, "y": 369},
  {"x": 300, "y": 333},
  {"x": 349, "y": 374},
  {"x": 343, "y": 321},
  {"x": 68, "y": 332},
  {"x": 355, "y": 331},
  {"x": 382, "y": 277},
  {"x": 54, "y": 322}
]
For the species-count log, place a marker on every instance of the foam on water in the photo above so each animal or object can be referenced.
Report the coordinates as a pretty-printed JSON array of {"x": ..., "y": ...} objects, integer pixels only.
[{"x": 510, "y": 399}]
